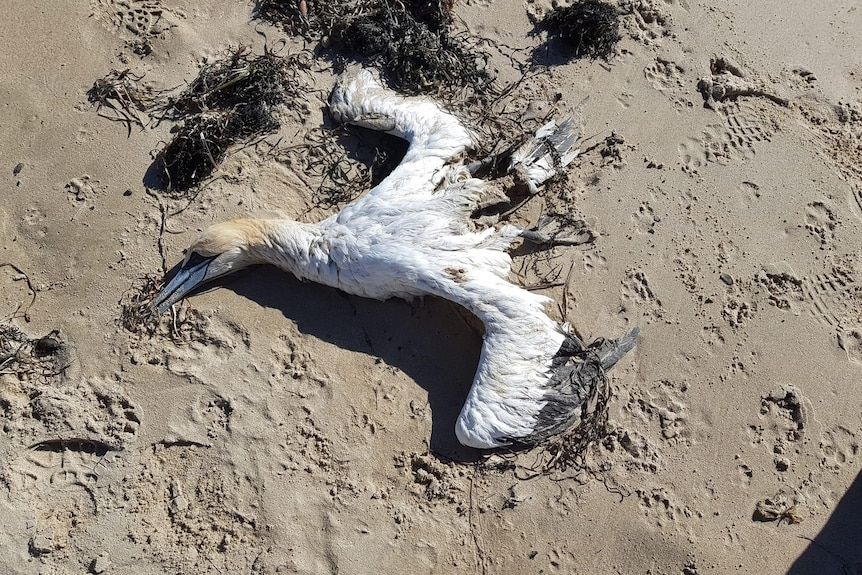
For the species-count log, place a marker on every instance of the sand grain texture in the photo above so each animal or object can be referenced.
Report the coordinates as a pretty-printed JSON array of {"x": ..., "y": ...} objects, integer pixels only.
[{"x": 274, "y": 426}]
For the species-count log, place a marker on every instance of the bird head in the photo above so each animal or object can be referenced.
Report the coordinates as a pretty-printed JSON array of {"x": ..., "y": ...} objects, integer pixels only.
[{"x": 220, "y": 250}]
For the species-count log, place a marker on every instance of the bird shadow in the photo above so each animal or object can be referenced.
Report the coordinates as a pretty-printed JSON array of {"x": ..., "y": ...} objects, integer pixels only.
[
  {"x": 429, "y": 340},
  {"x": 836, "y": 549}
]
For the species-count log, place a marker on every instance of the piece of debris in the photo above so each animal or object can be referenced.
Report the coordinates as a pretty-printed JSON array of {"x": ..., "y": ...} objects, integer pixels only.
[
  {"x": 727, "y": 82},
  {"x": 777, "y": 508}
]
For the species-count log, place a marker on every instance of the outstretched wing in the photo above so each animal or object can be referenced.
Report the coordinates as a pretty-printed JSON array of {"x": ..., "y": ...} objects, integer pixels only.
[
  {"x": 532, "y": 376},
  {"x": 435, "y": 136}
]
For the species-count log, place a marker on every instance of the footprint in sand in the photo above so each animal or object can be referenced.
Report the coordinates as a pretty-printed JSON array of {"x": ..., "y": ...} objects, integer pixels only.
[
  {"x": 140, "y": 18},
  {"x": 645, "y": 219},
  {"x": 850, "y": 340},
  {"x": 734, "y": 140},
  {"x": 635, "y": 289},
  {"x": 820, "y": 221}
]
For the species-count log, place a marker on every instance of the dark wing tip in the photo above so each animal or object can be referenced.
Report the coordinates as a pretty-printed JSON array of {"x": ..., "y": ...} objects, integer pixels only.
[{"x": 610, "y": 351}]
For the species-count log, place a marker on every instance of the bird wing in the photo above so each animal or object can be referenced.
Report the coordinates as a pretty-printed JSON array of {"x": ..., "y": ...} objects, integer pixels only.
[
  {"x": 435, "y": 136},
  {"x": 532, "y": 376}
]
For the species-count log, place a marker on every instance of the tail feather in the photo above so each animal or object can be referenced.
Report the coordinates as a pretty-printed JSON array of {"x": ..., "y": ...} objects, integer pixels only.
[
  {"x": 551, "y": 150},
  {"x": 610, "y": 351}
]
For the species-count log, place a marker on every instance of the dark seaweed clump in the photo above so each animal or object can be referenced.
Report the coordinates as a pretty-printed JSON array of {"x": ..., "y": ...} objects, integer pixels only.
[
  {"x": 411, "y": 41},
  {"x": 590, "y": 28},
  {"x": 232, "y": 100}
]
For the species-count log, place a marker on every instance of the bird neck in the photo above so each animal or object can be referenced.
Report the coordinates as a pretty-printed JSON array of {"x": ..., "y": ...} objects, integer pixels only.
[{"x": 289, "y": 245}]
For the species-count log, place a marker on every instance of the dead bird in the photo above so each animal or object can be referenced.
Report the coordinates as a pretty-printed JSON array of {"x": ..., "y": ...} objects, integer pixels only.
[{"x": 411, "y": 235}]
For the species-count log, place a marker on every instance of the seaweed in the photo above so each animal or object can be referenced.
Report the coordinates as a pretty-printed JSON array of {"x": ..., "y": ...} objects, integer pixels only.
[
  {"x": 124, "y": 93},
  {"x": 589, "y": 28},
  {"x": 412, "y": 41},
  {"x": 41, "y": 359},
  {"x": 231, "y": 100}
]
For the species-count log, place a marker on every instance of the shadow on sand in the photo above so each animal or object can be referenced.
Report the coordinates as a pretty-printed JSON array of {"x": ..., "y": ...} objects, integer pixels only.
[
  {"x": 837, "y": 549},
  {"x": 430, "y": 340}
]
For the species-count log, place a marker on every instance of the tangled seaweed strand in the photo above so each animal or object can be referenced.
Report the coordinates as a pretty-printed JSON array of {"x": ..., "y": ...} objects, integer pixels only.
[
  {"x": 411, "y": 41},
  {"x": 589, "y": 27},
  {"x": 124, "y": 93},
  {"x": 568, "y": 452},
  {"x": 201, "y": 143},
  {"x": 42, "y": 359},
  {"x": 232, "y": 100}
]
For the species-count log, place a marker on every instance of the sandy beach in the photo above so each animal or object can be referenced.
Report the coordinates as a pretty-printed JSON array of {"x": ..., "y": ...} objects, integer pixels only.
[{"x": 276, "y": 426}]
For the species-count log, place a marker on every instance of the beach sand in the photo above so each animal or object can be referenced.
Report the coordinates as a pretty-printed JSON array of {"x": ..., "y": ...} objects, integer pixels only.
[{"x": 288, "y": 428}]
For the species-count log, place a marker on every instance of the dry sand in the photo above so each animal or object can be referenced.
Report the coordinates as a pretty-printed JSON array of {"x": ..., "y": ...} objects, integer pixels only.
[{"x": 293, "y": 429}]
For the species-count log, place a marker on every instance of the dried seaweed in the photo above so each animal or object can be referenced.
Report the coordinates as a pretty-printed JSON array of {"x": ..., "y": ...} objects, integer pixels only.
[
  {"x": 125, "y": 94},
  {"x": 232, "y": 100},
  {"x": 589, "y": 28},
  {"x": 411, "y": 41},
  {"x": 181, "y": 326},
  {"x": 137, "y": 315},
  {"x": 41, "y": 359}
]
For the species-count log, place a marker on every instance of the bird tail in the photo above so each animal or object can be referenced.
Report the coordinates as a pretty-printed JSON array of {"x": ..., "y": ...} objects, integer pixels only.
[
  {"x": 610, "y": 351},
  {"x": 545, "y": 155}
]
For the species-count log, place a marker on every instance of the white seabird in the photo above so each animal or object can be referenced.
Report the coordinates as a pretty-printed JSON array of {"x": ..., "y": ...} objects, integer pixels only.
[{"x": 411, "y": 236}]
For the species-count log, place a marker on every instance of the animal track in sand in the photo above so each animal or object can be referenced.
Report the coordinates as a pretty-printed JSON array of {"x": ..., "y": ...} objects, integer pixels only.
[
  {"x": 636, "y": 290},
  {"x": 595, "y": 262},
  {"x": 788, "y": 415},
  {"x": 659, "y": 506},
  {"x": 736, "y": 310},
  {"x": 712, "y": 336},
  {"x": 82, "y": 193},
  {"x": 838, "y": 447},
  {"x": 667, "y": 77},
  {"x": 820, "y": 221},
  {"x": 205, "y": 420},
  {"x": 646, "y": 20},
  {"x": 639, "y": 454},
  {"x": 783, "y": 288},
  {"x": 662, "y": 405},
  {"x": 749, "y": 193},
  {"x": 850, "y": 340},
  {"x": 431, "y": 479},
  {"x": 645, "y": 219},
  {"x": 294, "y": 368}
]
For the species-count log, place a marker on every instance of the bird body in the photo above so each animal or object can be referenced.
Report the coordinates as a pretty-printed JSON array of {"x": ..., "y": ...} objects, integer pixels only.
[{"x": 410, "y": 236}]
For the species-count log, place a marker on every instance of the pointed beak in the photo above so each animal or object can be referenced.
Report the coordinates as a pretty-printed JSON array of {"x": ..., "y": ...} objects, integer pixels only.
[{"x": 188, "y": 277}]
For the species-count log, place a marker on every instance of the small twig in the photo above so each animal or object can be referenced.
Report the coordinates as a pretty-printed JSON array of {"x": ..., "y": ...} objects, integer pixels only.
[{"x": 26, "y": 313}]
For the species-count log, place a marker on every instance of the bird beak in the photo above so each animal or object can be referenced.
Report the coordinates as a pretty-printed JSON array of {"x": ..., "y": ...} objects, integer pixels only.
[{"x": 192, "y": 273}]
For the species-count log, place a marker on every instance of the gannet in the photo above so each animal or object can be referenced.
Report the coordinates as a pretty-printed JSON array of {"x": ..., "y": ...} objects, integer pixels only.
[{"x": 411, "y": 236}]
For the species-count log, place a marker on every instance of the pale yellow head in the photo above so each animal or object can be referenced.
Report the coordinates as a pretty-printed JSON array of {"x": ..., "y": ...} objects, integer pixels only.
[{"x": 221, "y": 249}]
